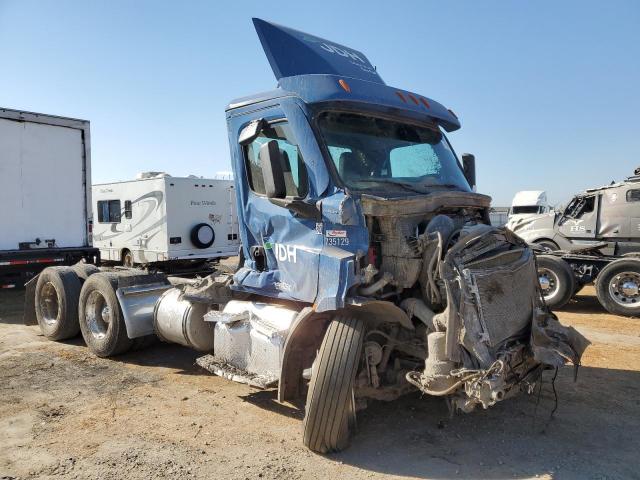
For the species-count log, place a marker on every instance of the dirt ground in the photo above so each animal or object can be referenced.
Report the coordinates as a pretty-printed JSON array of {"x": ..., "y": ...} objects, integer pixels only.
[{"x": 153, "y": 414}]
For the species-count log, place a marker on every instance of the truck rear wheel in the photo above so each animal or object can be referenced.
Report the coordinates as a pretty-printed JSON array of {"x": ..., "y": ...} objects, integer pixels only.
[
  {"x": 618, "y": 287},
  {"x": 330, "y": 411},
  {"x": 101, "y": 319},
  {"x": 56, "y": 303},
  {"x": 557, "y": 281},
  {"x": 84, "y": 270}
]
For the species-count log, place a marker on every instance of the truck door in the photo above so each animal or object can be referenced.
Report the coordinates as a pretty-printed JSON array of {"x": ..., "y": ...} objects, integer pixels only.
[
  {"x": 580, "y": 218},
  {"x": 281, "y": 249},
  {"x": 615, "y": 215},
  {"x": 632, "y": 207}
]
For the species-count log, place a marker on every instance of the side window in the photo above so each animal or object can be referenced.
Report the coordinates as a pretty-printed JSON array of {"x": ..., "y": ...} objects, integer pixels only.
[
  {"x": 127, "y": 209},
  {"x": 295, "y": 173},
  {"x": 109, "y": 211},
  {"x": 633, "y": 195}
]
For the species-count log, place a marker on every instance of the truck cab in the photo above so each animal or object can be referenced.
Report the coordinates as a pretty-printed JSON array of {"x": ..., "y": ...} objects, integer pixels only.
[{"x": 606, "y": 217}]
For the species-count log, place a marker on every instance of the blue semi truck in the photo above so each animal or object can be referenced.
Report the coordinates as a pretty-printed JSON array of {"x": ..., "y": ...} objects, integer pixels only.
[{"x": 368, "y": 268}]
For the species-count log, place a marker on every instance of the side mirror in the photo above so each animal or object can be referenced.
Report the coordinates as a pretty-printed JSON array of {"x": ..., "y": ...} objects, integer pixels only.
[
  {"x": 271, "y": 162},
  {"x": 469, "y": 167},
  {"x": 251, "y": 131}
]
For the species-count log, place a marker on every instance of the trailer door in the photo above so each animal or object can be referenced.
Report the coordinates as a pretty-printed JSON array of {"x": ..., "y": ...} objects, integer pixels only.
[{"x": 42, "y": 186}]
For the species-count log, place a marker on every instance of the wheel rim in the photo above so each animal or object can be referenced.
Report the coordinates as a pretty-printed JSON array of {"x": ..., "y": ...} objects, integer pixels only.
[
  {"x": 624, "y": 289},
  {"x": 549, "y": 283},
  {"x": 49, "y": 304},
  {"x": 98, "y": 315}
]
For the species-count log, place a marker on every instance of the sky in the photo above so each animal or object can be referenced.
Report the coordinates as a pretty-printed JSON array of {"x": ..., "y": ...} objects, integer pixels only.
[{"x": 547, "y": 91}]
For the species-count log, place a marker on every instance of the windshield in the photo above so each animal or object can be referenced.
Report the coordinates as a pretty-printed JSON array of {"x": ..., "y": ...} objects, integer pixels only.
[
  {"x": 374, "y": 154},
  {"x": 526, "y": 209}
]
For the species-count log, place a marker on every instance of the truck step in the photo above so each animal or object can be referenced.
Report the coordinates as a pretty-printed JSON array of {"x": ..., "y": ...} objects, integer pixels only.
[{"x": 223, "y": 369}]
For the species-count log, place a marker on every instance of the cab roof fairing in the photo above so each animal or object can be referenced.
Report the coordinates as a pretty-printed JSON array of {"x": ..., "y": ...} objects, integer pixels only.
[{"x": 320, "y": 88}]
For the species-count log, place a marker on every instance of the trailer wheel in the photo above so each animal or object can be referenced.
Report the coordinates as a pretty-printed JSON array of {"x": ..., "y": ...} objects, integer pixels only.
[
  {"x": 101, "y": 319},
  {"x": 84, "y": 270},
  {"x": 618, "y": 287},
  {"x": 330, "y": 410},
  {"x": 557, "y": 281},
  {"x": 56, "y": 303}
]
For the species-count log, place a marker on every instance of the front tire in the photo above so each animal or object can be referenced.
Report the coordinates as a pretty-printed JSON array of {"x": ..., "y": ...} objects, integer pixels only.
[
  {"x": 330, "y": 411},
  {"x": 557, "y": 281},
  {"x": 56, "y": 303},
  {"x": 101, "y": 319},
  {"x": 549, "y": 244},
  {"x": 618, "y": 287}
]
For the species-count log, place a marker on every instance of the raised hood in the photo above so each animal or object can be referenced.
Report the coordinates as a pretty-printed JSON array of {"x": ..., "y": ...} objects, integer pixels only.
[{"x": 291, "y": 53}]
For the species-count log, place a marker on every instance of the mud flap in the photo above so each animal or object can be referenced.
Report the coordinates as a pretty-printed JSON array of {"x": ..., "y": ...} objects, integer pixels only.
[{"x": 29, "y": 315}]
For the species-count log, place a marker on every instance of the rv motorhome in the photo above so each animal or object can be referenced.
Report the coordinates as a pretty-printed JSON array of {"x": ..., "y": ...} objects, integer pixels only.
[{"x": 160, "y": 218}]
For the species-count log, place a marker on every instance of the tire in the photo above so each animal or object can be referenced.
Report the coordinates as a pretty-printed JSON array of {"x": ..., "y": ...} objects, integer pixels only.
[
  {"x": 618, "y": 287},
  {"x": 560, "y": 280},
  {"x": 127, "y": 259},
  {"x": 329, "y": 412},
  {"x": 56, "y": 303},
  {"x": 101, "y": 319},
  {"x": 85, "y": 270},
  {"x": 550, "y": 244},
  {"x": 202, "y": 235}
]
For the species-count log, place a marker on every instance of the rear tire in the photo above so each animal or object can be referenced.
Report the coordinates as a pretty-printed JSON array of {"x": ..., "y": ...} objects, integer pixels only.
[
  {"x": 618, "y": 287},
  {"x": 56, "y": 303},
  {"x": 330, "y": 411},
  {"x": 101, "y": 319},
  {"x": 557, "y": 281},
  {"x": 85, "y": 270}
]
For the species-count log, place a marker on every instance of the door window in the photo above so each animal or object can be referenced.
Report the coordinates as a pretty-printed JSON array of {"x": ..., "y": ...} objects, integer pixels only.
[
  {"x": 295, "y": 173},
  {"x": 109, "y": 211}
]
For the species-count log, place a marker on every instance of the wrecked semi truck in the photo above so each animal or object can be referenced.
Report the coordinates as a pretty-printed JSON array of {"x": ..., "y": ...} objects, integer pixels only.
[
  {"x": 594, "y": 239},
  {"x": 368, "y": 267}
]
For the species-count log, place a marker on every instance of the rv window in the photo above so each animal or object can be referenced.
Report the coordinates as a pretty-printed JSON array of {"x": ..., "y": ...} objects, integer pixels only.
[
  {"x": 633, "y": 195},
  {"x": 109, "y": 211},
  {"x": 294, "y": 169},
  {"x": 127, "y": 209}
]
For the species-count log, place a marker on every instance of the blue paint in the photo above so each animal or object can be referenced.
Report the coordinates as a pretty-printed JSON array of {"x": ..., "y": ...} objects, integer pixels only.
[{"x": 306, "y": 260}]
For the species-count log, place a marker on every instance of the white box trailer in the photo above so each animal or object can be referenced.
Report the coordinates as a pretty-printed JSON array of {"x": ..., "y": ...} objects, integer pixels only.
[
  {"x": 160, "y": 218},
  {"x": 45, "y": 173}
]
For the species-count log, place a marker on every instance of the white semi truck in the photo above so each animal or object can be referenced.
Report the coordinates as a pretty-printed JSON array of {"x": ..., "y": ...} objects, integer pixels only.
[
  {"x": 45, "y": 198},
  {"x": 158, "y": 218}
]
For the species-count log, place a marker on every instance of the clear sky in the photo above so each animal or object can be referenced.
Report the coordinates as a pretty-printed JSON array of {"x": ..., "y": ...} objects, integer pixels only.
[{"x": 547, "y": 91}]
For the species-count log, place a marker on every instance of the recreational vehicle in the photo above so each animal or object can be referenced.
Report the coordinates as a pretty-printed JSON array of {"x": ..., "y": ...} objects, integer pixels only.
[{"x": 159, "y": 218}]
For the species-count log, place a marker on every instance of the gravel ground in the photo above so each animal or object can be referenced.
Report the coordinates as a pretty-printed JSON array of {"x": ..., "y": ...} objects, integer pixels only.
[{"x": 154, "y": 414}]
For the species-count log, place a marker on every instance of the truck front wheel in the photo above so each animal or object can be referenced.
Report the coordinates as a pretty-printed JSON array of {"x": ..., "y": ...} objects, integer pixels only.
[
  {"x": 330, "y": 411},
  {"x": 56, "y": 303},
  {"x": 557, "y": 281},
  {"x": 618, "y": 287},
  {"x": 101, "y": 319}
]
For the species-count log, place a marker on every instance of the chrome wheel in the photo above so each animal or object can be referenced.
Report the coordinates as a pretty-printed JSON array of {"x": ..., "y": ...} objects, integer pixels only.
[
  {"x": 549, "y": 283},
  {"x": 50, "y": 304},
  {"x": 98, "y": 315},
  {"x": 624, "y": 289}
]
